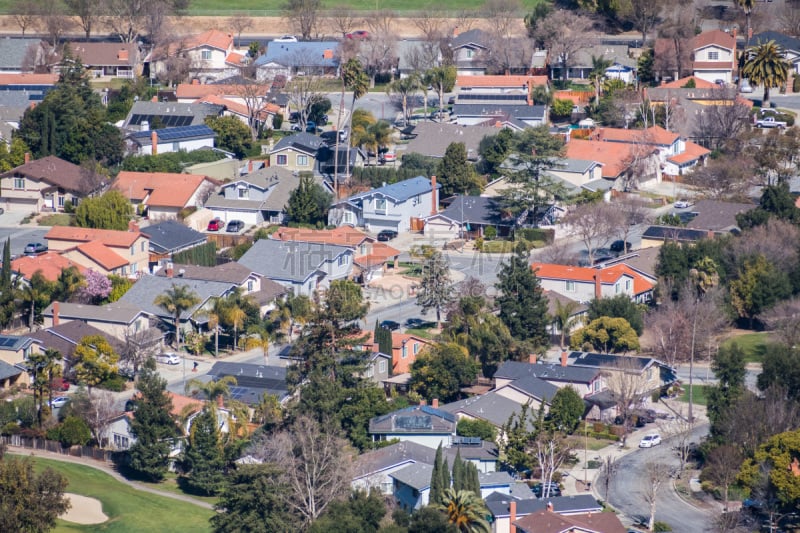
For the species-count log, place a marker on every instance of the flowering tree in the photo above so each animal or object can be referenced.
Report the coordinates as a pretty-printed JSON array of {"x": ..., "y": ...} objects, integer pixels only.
[{"x": 97, "y": 287}]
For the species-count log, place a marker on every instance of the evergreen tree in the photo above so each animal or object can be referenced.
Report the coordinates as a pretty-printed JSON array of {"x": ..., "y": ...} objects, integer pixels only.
[
  {"x": 437, "y": 490},
  {"x": 7, "y": 288},
  {"x": 458, "y": 472},
  {"x": 435, "y": 286},
  {"x": 445, "y": 473},
  {"x": 471, "y": 479},
  {"x": 523, "y": 306},
  {"x": 383, "y": 338},
  {"x": 308, "y": 203},
  {"x": 152, "y": 425},
  {"x": 203, "y": 463},
  {"x": 455, "y": 172}
]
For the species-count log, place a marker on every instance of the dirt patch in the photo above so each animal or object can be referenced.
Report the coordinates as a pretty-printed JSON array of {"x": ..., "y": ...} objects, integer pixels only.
[{"x": 84, "y": 510}]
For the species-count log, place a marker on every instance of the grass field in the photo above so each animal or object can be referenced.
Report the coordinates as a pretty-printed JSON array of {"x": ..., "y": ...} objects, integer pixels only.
[
  {"x": 698, "y": 398},
  {"x": 128, "y": 509},
  {"x": 754, "y": 345}
]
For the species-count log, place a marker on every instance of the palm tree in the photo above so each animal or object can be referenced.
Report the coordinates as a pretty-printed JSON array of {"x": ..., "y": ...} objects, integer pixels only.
[
  {"x": 258, "y": 337},
  {"x": 175, "y": 301},
  {"x": 236, "y": 316},
  {"x": 403, "y": 88},
  {"x": 465, "y": 510},
  {"x": 598, "y": 72},
  {"x": 211, "y": 389},
  {"x": 42, "y": 368},
  {"x": 765, "y": 65},
  {"x": 564, "y": 319},
  {"x": 355, "y": 79},
  {"x": 747, "y": 6},
  {"x": 442, "y": 79}
]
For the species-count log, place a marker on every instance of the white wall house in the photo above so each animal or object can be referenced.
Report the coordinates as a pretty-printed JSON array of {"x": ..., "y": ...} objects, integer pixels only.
[{"x": 166, "y": 140}]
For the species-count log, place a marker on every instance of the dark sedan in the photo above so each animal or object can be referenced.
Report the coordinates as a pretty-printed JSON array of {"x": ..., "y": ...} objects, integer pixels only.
[{"x": 387, "y": 235}]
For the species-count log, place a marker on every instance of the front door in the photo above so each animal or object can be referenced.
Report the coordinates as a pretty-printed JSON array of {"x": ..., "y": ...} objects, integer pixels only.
[{"x": 48, "y": 201}]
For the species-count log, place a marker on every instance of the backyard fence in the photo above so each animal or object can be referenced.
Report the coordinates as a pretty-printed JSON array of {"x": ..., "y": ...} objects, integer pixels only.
[{"x": 35, "y": 443}]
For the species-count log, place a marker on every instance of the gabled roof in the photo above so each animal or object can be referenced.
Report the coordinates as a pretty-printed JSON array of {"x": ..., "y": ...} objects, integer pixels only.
[
  {"x": 186, "y": 133},
  {"x": 59, "y": 173},
  {"x": 102, "y": 255},
  {"x": 232, "y": 272},
  {"x": 405, "y": 452},
  {"x": 699, "y": 83},
  {"x": 171, "y": 114},
  {"x": 553, "y": 297},
  {"x": 491, "y": 407},
  {"x": 652, "y": 135},
  {"x": 301, "y": 54},
  {"x": 433, "y": 138},
  {"x": 550, "y": 522},
  {"x": 604, "y": 360},
  {"x": 716, "y": 215},
  {"x": 14, "y": 343},
  {"x": 400, "y": 191},
  {"x": 714, "y": 37},
  {"x": 786, "y": 42},
  {"x": 672, "y": 233},
  {"x": 415, "y": 420},
  {"x": 171, "y": 236},
  {"x": 515, "y": 370},
  {"x": 65, "y": 337},
  {"x": 341, "y": 236},
  {"x": 535, "y": 387},
  {"x": 13, "y": 51},
  {"x": 213, "y": 39},
  {"x": 499, "y": 505},
  {"x": 607, "y": 275},
  {"x": 50, "y": 264},
  {"x": 520, "y": 82},
  {"x": 475, "y": 210},
  {"x": 115, "y": 312},
  {"x": 9, "y": 371},
  {"x": 194, "y": 91},
  {"x": 252, "y": 380},
  {"x": 290, "y": 261},
  {"x": 109, "y": 237},
  {"x": 513, "y": 113},
  {"x": 475, "y": 37},
  {"x": 692, "y": 152},
  {"x": 613, "y": 156},
  {"x": 299, "y": 141},
  {"x": 144, "y": 292},
  {"x": 261, "y": 113},
  {"x": 105, "y": 54},
  {"x": 416, "y": 476},
  {"x": 159, "y": 189}
]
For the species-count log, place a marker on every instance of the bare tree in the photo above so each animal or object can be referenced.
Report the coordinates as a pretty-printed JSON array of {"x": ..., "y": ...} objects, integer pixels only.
[
  {"x": 720, "y": 126},
  {"x": 559, "y": 253},
  {"x": 609, "y": 471},
  {"x": 342, "y": 19},
  {"x": 632, "y": 211},
  {"x": 641, "y": 163},
  {"x": 25, "y": 14},
  {"x": 552, "y": 450},
  {"x": 240, "y": 23},
  {"x": 628, "y": 387},
  {"x": 303, "y": 16},
  {"x": 54, "y": 19},
  {"x": 728, "y": 178},
  {"x": 722, "y": 467},
  {"x": 790, "y": 18},
  {"x": 564, "y": 33},
  {"x": 655, "y": 475},
  {"x": 784, "y": 321},
  {"x": 99, "y": 413},
  {"x": 304, "y": 92},
  {"x": 592, "y": 223},
  {"x": 138, "y": 347},
  {"x": 678, "y": 28},
  {"x": 315, "y": 465},
  {"x": 465, "y": 19},
  {"x": 87, "y": 12},
  {"x": 644, "y": 15},
  {"x": 680, "y": 432},
  {"x": 777, "y": 240},
  {"x": 253, "y": 94},
  {"x": 506, "y": 51}
]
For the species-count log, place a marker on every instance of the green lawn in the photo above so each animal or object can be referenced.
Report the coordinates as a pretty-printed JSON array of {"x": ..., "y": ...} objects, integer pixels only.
[
  {"x": 754, "y": 345},
  {"x": 698, "y": 398},
  {"x": 128, "y": 509},
  {"x": 422, "y": 332},
  {"x": 56, "y": 219}
]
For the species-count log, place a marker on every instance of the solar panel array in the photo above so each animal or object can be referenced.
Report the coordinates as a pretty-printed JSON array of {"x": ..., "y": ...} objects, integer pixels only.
[
  {"x": 167, "y": 134},
  {"x": 169, "y": 121},
  {"x": 443, "y": 414},
  {"x": 467, "y": 441},
  {"x": 413, "y": 422},
  {"x": 6, "y": 342}
]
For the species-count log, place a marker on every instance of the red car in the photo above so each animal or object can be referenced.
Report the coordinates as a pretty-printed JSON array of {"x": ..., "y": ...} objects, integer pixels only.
[
  {"x": 59, "y": 384},
  {"x": 358, "y": 34},
  {"x": 215, "y": 225}
]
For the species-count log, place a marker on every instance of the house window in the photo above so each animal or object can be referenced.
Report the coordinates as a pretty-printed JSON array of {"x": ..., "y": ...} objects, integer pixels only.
[
  {"x": 616, "y": 288},
  {"x": 282, "y": 159},
  {"x": 404, "y": 352},
  {"x": 206, "y": 55},
  {"x": 250, "y": 285},
  {"x": 120, "y": 442},
  {"x": 386, "y": 487},
  {"x": 142, "y": 246},
  {"x": 176, "y": 147},
  {"x": 470, "y": 53},
  {"x": 244, "y": 194},
  {"x": 19, "y": 183},
  {"x": 370, "y": 371},
  {"x": 60, "y": 201},
  {"x": 302, "y": 160},
  {"x": 133, "y": 249},
  {"x": 124, "y": 271},
  {"x": 74, "y": 201},
  {"x": 416, "y": 348},
  {"x": 133, "y": 268},
  {"x": 627, "y": 285},
  {"x": 570, "y": 286},
  {"x": 380, "y": 206},
  {"x": 713, "y": 56},
  {"x": 382, "y": 367},
  {"x": 415, "y": 200},
  {"x": 343, "y": 260}
]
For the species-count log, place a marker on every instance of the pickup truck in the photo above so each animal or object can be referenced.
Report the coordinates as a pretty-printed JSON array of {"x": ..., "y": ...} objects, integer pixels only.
[{"x": 770, "y": 122}]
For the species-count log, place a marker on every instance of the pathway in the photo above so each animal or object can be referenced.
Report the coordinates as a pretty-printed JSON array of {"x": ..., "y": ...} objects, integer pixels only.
[{"x": 108, "y": 470}]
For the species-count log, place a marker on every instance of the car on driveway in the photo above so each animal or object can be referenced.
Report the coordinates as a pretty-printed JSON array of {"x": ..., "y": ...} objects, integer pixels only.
[
  {"x": 387, "y": 235},
  {"x": 391, "y": 325},
  {"x": 214, "y": 225},
  {"x": 35, "y": 248},
  {"x": 555, "y": 490},
  {"x": 235, "y": 226},
  {"x": 286, "y": 39},
  {"x": 59, "y": 401},
  {"x": 358, "y": 34},
  {"x": 168, "y": 358},
  {"x": 648, "y": 441},
  {"x": 683, "y": 204},
  {"x": 620, "y": 246}
]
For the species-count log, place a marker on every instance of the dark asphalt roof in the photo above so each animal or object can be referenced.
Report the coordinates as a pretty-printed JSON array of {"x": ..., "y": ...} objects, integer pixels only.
[
  {"x": 170, "y": 236},
  {"x": 672, "y": 233},
  {"x": 581, "y": 503},
  {"x": 476, "y": 210},
  {"x": 252, "y": 381},
  {"x": 9, "y": 371},
  {"x": 547, "y": 371},
  {"x": 395, "y": 454}
]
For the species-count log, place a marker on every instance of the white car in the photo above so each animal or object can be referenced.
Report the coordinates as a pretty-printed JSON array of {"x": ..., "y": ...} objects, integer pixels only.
[
  {"x": 682, "y": 204},
  {"x": 650, "y": 440},
  {"x": 168, "y": 358},
  {"x": 286, "y": 39},
  {"x": 60, "y": 401}
]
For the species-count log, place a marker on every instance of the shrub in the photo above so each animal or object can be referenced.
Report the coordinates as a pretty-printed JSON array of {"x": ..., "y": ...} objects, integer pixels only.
[
  {"x": 593, "y": 465},
  {"x": 186, "y": 211},
  {"x": 661, "y": 527},
  {"x": 537, "y": 234},
  {"x": 73, "y": 431},
  {"x": 116, "y": 383},
  {"x": 561, "y": 108},
  {"x": 490, "y": 232},
  {"x": 479, "y": 244},
  {"x": 277, "y": 121}
]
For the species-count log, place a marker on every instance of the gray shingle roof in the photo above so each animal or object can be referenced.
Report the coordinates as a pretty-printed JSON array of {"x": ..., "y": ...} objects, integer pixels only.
[
  {"x": 476, "y": 210},
  {"x": 8, "y": 370},
  {"x": 549, "y": 372},
  {"x": 184, "y": 133},
  {"x": 232, "y": 272},
  {"x": 392, "y": 455},
  {"x": 195, "y": 114},
  {"x": 417, "y": 419},
  {"x": 65, "y": 337},
  {"x": 581, "y": 503},
  {"x": 116, "y": 312},
  {"x": 477, "y": 37},
  {"x": 301, "y": 54},
  {"x": 535, "y": 387},
  {"x": 13, "y": 52},
  {"x": 301, "y": 141},
  {"x": 252, "y": 381},
  {"x": 170, "y": 236},
  {"x": 553, "y": 297},
  {"x": 529, "y": 112},
  {"x": 144, "y": 292},
  {"x": 602, "y": 360},
  {"x": 486, "y": 451},
  {"x": 491, "y": 407},
  {"x": 433, "y": 138},
  {"x": 715, "y": 215},
  {"x": 400, "y": 191},
  {"x": 670, "y": 233},
  {"x": 786, "y": 42},
  {"x": 291, "y": 261},
  {"x": 417, "y": 476}
]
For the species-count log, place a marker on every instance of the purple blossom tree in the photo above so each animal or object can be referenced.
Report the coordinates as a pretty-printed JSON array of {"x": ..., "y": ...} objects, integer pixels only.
[{"x": 97, "y": 287}]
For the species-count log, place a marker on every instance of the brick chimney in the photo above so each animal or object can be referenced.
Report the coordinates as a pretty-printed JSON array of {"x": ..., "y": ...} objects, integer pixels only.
[
  {"x": 56, "y": 307},
  {"x": 532, "y": 358},
  {"x": 435, "y": 403},
  {"x": 598, "y": 287},
  {"x": 250, "y": 166},
  {"x": 512, "y": 512},
  {"x": 434, "y": 199},
  {"x": 455, "y": 31},
  {"x": 154, "y": 142},
  {"x": 423, "y": 402},
  {"x": 133, "y": 226},
  {"x": 564, "y": 358},
  {"x": 27, "y": 157}
]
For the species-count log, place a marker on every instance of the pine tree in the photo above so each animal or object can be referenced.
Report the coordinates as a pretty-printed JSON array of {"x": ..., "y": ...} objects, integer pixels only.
[
  {"x": 152, "y": 425},
  {"x": 458, "y": 472},
  {"x": 523, "y": 306},
  {"x": 436, "y": 477},
  {"x": 5, "y": 276},
  {"x": 203, "y": 461},
  {"x": 471, "y": 480},
  {"x": 435, "y": 287},
  {"x": 445, "y": 473},
  {"x": 455, "y": 172},
  {"x": 7, "y": 289}
]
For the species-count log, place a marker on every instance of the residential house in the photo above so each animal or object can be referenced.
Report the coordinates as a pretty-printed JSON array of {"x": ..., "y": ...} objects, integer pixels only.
[
  {"x": 546, "y": 521},
  {"x": 422, "y": 424},
  {"x": 371, "y": 258},
  {"x": 506, "y": 510},
  {"x": 210, "y": 56},
  {"x": 117, "y": 319},
  {"x": 586, "y": 283},
  {"x": 123, "y": 253},
  {"x": 33, "y": 86},
  {"x": 469, "y": 49},
  {"x": 643, "y": 261},
  {"x": 18, "y": 55},
  {"x": 788, "y": 45},
  {"x": 717, "y": 216},
  {"x": 483, "y": 454},
  {"x": 416, "y": 56},
  {"x": 169, "y": 237},
  {"x": 514, "y": 116},
  {"x": 378, "y": 365},
  {"x": 187, "y": 139},
  {"x": 65, "y": 337},
  {"x": 432, "y": 139},
  {"x": 389, "y": 207},
  {"x": 253, "y": 382},
  {"x": 374, "y": 468},
  {"x": 490, "y": 407},
  {"x": 12, "y": 108},
  {"x": 577, "y": 317},
  {"x": 623, "y": 63},
  {"x": 257, "y": 197},
  {"x": 162, "y": 195},
  {"x": 145, "y": 116},
  {"x": 714, "y": 56},
  {"x": 14, "y": 351},
  {"x": 106, "y": 60},
  {"x": 497, "y": 89},
  {"x": 585, "y": 381},
  {"x": 300, "y": 58},
  {"x": 582, "y": 173},
  {"x": 405, "y": 348},
  {"x": 655, "y": 236},
  {"x": 50, "y": 264},
  {"x": 621, "y": 162},
  {"x": 254, "y": 112},
  {"x": 300, "y": 267},
  {"x": 467, "y": 217},
  {"x": 239, "y": 90},
  {"x": 296, "y": 152},
  {"x": 48, "y": 184},
  {"x": 262, "y": 291}
]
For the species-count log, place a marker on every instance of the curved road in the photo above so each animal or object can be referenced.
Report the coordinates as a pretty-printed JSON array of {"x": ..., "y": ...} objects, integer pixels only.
[{"x": 628, "y": 487}]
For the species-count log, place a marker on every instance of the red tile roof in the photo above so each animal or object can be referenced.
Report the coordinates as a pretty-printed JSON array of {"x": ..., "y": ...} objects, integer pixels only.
[
  {"x": 213, "y": 38},
  {"x": 199, "y": 90},
  {"x": 612, "y": 156},
  {"x": 716, "y": 37},
  {"x": 342, "y": 236},
  {"x": 652, "y": 135},
  {"x": 109, "y": 237},
  {"x": 235, "y": 59},
  {"x": 699, "y": 83},
  {"x": 237, "y": 108},
  {"x": 164, "y": 189},
  {"x": 50, "y": 264},
  {"x": 25, "y": 79},
  {"x": 712, "y": 65},
  {"x": 691, "y": 152},
  {"x": 607, "y": 276},
  {"x": 102, "y": 255}
]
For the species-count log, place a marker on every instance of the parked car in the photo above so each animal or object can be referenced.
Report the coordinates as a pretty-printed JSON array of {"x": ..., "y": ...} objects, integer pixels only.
[
  {"x": 770, "y": 122},
  {"x": 294, "y": 116},
  {"x": 648, "y": 441},
  {"x": 388, "y": 157},
  {"x": 214, "y": 225},
  {"x": 683, "y": 204},
  {"x": 168, "y": 358},
  {"x": 235, "y": 226},
  {"x": 35, "y": 248},
  {"x": 555, "y": 490},
  {"x": 311, "y": 127},
  {"x": 745, "y": 87},
  {"x": 620, "y": 246},
  {"x": 387, "y": 235},
  {"x": 59, "y": 401},
  {"x": 330, "y": 137},
  {"x": 358, "y": 34},
  {"x": 286, "y": 39},
  {"x": 391, "y": 325},
  {"x": 59, "y": 384}
]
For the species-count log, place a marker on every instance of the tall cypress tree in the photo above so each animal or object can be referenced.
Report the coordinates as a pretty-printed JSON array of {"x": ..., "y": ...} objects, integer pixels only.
[
  {"x": 445, "y": 473},
  {"x": 203, "y": 461},
  {"x": 436, "y": 478},
  {"x": 5, "y": 275},
  {"x": 523, "y": 306},
  {"x": 471, "y": 480},
  {"x": 458, "y": 472},
  {"x": 7, "y": 303},
  {"x": 152, "y": 425}
]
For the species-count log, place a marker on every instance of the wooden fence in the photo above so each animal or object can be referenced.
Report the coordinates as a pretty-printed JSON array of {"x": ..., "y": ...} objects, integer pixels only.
[{"x": 34, "y": 443}]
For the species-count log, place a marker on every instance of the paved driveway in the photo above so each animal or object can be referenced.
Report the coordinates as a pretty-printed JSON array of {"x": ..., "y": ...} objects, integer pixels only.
[{"x": 20, "y": 235}]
